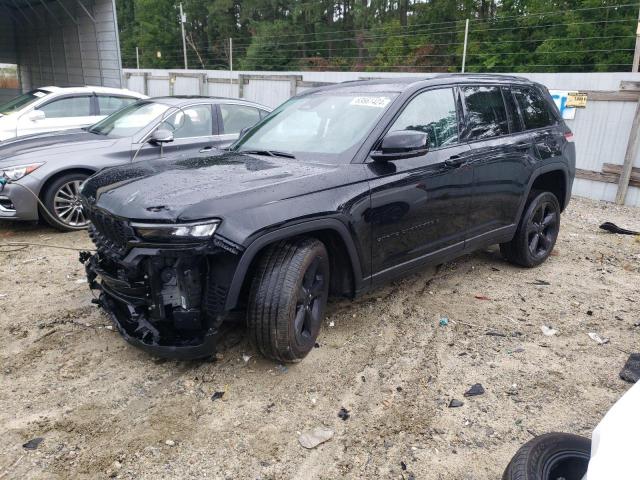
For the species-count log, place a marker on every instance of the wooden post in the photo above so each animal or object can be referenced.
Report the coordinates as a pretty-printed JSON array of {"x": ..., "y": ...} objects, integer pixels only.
[
  {"x": 629, "y": 157},
  {"x": 636, "y": 54}
]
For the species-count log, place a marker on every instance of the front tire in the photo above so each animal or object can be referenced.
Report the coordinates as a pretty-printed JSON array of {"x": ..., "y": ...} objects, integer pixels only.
[
  {"x": 537, "y": 232},
  {"x": 550, "y": 457},
  {"x": 63, "y": 203},
  {"x": 288, "y": 297}
]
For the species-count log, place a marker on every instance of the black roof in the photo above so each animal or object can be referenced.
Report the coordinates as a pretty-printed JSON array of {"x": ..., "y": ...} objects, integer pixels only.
[{"x": 399, "y": 84}]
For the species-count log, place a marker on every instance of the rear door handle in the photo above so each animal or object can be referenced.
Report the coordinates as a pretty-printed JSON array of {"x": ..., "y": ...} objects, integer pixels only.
[
  {"x": 206, "y": 149},
  {"x": 454, "y": 161}
]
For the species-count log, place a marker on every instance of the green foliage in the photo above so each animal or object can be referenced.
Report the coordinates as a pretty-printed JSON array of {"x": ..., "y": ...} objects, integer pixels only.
[{"x": 379, "y": 35}]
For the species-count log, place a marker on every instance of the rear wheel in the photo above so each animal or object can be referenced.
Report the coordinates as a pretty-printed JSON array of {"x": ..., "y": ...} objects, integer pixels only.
[
  {"x": 537, "y": 231},
  {"x": 552, "y": 456},
  {"x": 288, "y": 298},
  {"x": 62, "y": 199}
]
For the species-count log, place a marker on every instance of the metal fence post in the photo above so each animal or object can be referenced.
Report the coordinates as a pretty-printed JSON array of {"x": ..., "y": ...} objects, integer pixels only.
[{"x": 464, "y": 49}]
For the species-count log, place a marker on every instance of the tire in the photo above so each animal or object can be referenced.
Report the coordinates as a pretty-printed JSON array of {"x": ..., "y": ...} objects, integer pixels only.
[
  {"x": 288, "y": 298},
  {"x": 550, "y": 457},
  {"x": 62, "y": 202},
  {"x": 537, "y": 231}
]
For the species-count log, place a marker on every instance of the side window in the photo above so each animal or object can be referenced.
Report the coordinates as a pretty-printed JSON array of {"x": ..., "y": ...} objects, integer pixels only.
[
  {"x": 68, "y": 107},
  {"x": 108, "y": 104},
  {"x": 432, "y": 112},
  {"x": 536, "y": 112},
  {"x": 237, "y": 117},
  {"x": 515, "y": 123},
  {"x": 486, "y": 114},
  {"x": 194, "y": 121}
]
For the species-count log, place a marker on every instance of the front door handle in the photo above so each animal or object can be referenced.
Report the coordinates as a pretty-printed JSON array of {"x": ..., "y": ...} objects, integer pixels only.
[
  {"x": 522, "y": 146},
  {"x": 454, "y": 161},
  {"x": 206, "y": 149}
]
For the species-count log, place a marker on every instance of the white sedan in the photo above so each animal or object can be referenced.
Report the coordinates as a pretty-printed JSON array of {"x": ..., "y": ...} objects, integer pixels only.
[{"x": 49, "y": 109}]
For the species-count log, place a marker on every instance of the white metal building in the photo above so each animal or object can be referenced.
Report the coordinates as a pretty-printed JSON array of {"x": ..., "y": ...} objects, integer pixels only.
[{"x": 61, "y": 42}]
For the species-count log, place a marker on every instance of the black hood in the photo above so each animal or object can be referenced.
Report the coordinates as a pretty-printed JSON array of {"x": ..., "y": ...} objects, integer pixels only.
[
  {"x": 201, "y": 187},
  {"x": 47, "y": 145}
]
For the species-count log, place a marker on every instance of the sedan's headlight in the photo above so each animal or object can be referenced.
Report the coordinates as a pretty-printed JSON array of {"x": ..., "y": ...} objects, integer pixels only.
[
  {"x": 180, "y": 231},
  {"x": 18, "y": 171}
]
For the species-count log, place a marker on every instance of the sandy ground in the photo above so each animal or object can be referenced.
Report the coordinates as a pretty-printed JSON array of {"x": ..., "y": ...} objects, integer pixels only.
[{"x": 106, "y": 409}]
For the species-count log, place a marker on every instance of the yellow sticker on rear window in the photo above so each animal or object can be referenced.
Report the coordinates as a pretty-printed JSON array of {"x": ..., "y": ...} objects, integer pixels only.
[{"x": 377, "y": 102}]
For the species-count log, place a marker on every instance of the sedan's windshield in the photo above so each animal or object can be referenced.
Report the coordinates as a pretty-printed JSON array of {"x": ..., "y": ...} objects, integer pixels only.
[
  {"x": 129, "y": 120},
  {"x": 320, "y": 126},
  {"x": 21, "y": 101}
]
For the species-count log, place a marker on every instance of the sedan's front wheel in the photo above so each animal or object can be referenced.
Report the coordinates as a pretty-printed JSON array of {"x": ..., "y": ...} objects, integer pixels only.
[
  {"x": 62, "y": 200},
  {"x": 288, "y": 297}
]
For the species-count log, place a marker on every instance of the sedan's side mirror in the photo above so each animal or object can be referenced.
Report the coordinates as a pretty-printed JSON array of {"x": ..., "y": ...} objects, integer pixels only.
[
  {"x": 161, "y": 136},
  {"x": 244, "y": 131},
  {"x": 401, "y": 144},
  {"x": 37, "y": 115}
]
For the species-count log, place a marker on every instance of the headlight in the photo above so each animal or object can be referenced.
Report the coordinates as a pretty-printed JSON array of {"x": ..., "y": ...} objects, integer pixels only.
[
  {"x": 19, "y": 171},
  {"x": 168, "y": 232}
]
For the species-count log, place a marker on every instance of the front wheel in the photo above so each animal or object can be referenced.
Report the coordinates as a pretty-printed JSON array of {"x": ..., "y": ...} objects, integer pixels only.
[
  {"x": 288, "y": 298},
  {"x": 552, "y": 456},
  {"x": 537, "y": 232},
  {"x": 62, "y": 202}
]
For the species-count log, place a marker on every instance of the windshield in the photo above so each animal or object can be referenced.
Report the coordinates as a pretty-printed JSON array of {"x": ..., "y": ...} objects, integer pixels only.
[
  {"x": 323, "y": 126},
  {"x": 21, "y": 101},
  {"x": 129, "y": 120}
]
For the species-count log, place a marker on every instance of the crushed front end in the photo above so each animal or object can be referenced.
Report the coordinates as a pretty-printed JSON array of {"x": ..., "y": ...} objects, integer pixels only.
[{"x": 165, "y": 295}]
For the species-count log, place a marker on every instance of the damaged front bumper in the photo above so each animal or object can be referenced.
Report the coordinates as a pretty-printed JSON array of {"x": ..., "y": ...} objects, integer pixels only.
[{"x": 168, "y": 300}]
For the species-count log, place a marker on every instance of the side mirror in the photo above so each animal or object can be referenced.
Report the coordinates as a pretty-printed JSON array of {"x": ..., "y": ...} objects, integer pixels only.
[
  {"x": 37, "y": 115},
  {"x": 160, "y": 136},
  {"x": 402, "y": 144},
  {"x": 244, "y": 131}
]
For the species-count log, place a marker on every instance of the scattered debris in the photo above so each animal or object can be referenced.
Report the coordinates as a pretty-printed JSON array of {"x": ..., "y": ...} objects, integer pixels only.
[
  {"x": 403, "y": 465},
  {"x": 597, "y": 338},
  {"x": 343, "y": 414},
  {"x": 217, "y": 396},
  {"x": 631, "y": 371},
  {"x": 332, "y": 323},
  {"x": 33, "y": 443},
  {"x": 491, "y": 333},
  {"x": 476, "y": 389},
  {"x": 548, "y": 331},
  {"x": 454, "y": 403},
  {"x": 590, "y": 312},
  {"x": 540, "y": 282},
  {"x": 246, "y": 357},
  {"x": 315, "y": 437},
  {"x": 613, "y": 228},
  {"x": 444, "y": 321},
  {"x": 282, "y": 369},
  {"x": 316, "y": 345},
  {"x": 170, "y": 443},
  {"x": 482, "y": 297}
]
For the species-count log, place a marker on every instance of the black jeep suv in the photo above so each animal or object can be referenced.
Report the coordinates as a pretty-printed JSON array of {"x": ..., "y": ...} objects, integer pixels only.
[{"x": 337, "y": 191}]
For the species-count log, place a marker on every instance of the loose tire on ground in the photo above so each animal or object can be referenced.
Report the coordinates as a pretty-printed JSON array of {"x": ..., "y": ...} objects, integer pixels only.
[
  {"x": 58, "y": 196},
  {"x": 550, "y": 457},
  {"x": 537, "y": 231},
  {"x": 287, "y": 299}
]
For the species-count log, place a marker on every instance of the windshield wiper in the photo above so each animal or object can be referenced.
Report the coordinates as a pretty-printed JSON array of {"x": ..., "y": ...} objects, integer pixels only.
[{"x": 270, "y": 153}]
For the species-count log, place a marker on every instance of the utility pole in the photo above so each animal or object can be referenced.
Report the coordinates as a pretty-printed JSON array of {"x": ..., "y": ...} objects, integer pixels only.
[
  {"x": 183, "y": 19},
  {"x": 231, "y": 62},
  {"x": 636, "y": 54},
  {"x": 137, "y": 59},
  {"x": 464, "y": 49}
]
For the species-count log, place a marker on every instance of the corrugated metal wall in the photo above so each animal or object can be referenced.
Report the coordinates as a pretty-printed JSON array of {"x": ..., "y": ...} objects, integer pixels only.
[
  {"x": 62, "y": 43},
  {"x": 601, "y": 130}
]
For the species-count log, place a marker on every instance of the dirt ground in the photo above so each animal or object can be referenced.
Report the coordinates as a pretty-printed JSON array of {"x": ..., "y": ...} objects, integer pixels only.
[{"x": 106, "y": 409}]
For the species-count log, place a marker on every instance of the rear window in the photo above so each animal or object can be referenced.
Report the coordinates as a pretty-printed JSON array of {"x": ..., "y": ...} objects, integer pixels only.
[
  {"x": 486, "y": 113},
  {"x": 109, "y": 104},
  {"x": 514, "y": 117},
  {"x": 536, "y": 111}
]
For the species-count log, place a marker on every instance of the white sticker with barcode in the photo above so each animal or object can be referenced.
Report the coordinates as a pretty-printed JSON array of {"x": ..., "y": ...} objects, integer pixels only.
[{"x": 377, "y": 102}]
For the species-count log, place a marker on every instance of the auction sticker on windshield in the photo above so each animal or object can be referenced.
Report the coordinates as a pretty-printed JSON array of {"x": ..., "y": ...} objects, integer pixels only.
[{"x": 378, "y": 102}]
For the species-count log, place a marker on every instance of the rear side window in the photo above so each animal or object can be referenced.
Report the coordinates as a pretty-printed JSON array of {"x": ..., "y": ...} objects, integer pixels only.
[
  {"x": 486, "y": 113},
  {"x": 432, "y": 112},
  {"x": 109, "y": 104},
  {"x": 237, "y": 117},
  {"x": 68, "y": 107},
  {"x": 536, "y": 111}
]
